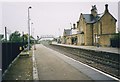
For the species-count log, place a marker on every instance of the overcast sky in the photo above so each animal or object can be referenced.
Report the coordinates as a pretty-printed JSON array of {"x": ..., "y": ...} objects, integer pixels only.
[{"x": 49, "y": 18}]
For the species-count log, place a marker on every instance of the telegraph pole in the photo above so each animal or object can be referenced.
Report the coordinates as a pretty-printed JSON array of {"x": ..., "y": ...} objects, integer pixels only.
[{"x": 6, "y": 34}]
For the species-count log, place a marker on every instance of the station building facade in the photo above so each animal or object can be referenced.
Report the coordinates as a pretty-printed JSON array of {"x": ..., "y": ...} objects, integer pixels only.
[{"x": 92, "y": 29}]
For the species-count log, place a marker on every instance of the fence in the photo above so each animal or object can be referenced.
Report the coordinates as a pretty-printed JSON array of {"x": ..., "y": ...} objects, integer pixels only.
[
  {"x": 0, "y": 56},
  {"x": 9, "y": 52},
  {"x": 0, "y": 62}
]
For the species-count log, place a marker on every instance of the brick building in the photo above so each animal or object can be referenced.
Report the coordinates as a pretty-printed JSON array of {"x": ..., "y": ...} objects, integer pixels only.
[{"x": 95, "y": 29}]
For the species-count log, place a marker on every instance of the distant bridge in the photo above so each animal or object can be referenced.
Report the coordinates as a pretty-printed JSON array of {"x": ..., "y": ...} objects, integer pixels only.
[{"x": 45, "y": 36}]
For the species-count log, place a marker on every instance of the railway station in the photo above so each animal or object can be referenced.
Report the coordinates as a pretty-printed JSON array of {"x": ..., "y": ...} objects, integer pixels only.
[{"x": 59, "y": 41}]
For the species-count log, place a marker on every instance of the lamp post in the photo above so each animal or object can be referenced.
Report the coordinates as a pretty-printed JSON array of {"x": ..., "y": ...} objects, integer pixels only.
[{"x": 29, "y": 28}]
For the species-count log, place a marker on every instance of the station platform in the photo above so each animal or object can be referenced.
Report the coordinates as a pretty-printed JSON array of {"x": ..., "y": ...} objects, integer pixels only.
[
  {"x": 95, "y": 48},
  {"x": 53, "y": 65}
]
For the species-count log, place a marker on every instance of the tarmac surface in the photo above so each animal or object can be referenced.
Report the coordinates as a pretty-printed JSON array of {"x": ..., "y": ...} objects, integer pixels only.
[
  {"x": 50, "y": 67},
  {"x": 53, "y": 65}
]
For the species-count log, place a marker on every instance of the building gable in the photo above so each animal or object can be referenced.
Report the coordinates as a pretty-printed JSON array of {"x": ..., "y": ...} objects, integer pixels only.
[
  {"x": 109, "y": 15},
  {"x": 82, "y": 23}
]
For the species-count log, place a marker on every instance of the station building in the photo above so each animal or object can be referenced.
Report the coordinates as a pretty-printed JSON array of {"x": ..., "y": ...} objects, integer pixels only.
[{"x": 92, "y": 29}]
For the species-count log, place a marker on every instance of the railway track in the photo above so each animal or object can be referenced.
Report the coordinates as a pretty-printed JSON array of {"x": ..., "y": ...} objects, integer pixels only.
[
  {"x": 104, "y": 62},
  {"x": 96, "y": 58}
]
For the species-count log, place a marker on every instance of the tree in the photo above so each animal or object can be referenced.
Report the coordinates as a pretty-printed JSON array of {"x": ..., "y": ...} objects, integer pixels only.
[
  {"x": 15, "y": 37},
  {"x": 25, "y": 38}
]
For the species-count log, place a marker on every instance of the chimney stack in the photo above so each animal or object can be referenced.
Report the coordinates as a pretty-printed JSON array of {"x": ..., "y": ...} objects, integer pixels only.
[
  {"x": 94, "y": 11},
  {"x": 77, "y": 23},
  {"x": 106, "y": 7},
  {"x": 74, "y": 26}
]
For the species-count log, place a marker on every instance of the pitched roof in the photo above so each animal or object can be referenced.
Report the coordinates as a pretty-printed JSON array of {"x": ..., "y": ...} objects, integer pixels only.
[
  {"x": 89, "y": 18},
  {"x": 67, "y": 31},
  {"x": 109, "y": 14}
]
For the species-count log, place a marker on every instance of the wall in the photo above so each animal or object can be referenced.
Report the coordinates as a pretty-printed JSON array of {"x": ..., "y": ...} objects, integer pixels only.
[
  {"x": 88, "y": 35},
  {"x": 81, "y": 28},
  {"x": 108, "y": 24},
  {"x": 104, "y": 40},
  {"x": 68, "y": 38},
  {"x": 97, "y": 30},
  {"x": 104, "y": 28},
  {"x": 79, "y": 39}
]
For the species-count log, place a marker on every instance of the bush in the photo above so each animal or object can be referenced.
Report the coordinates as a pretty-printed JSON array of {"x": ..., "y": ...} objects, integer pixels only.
[{"x": 115, "y": 41}]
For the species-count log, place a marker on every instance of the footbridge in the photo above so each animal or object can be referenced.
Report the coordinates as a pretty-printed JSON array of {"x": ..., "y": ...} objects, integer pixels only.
[{"x": 45, "y": 36}]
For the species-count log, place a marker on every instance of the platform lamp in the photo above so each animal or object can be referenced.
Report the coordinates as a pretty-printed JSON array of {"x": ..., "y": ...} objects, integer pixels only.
[{"x": 29, "y": 27}]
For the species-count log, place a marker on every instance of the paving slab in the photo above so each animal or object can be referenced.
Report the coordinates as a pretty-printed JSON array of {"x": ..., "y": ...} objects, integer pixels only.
[{"x": 51, "y": 67}]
